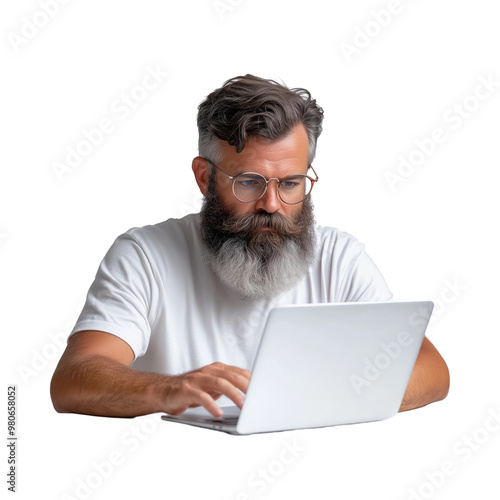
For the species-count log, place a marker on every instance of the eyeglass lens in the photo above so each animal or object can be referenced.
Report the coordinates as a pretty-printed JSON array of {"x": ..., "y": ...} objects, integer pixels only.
[{"x": 293, "y": 189}]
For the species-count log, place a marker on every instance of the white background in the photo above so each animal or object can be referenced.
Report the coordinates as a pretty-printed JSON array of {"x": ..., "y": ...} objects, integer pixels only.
[{"x": 434, "y": 236}]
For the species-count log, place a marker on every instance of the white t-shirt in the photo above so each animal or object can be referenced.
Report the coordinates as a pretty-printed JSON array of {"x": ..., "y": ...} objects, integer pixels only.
[{"x": 154, "y": 290}]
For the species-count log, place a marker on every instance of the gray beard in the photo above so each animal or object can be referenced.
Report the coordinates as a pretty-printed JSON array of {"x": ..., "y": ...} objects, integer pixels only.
[{"x": 252, "y": 262}]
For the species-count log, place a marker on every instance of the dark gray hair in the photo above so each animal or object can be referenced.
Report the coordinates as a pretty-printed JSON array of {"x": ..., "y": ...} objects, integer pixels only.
[{"x": 247, "y": 106}]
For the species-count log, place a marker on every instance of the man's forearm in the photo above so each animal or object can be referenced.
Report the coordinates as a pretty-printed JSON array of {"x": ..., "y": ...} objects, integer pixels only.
[
  {"x": 429, "y": 381},
  {"x": 96, "y": 385}
]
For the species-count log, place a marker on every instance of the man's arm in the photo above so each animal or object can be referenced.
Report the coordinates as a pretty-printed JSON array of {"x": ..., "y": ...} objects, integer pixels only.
[
  {"x": 94, "y": 377},
  {"x": 429, "y": 381}
]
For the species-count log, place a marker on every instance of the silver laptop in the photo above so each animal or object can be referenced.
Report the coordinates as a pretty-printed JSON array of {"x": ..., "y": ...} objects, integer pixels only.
[{"x": 320, "y": 365}]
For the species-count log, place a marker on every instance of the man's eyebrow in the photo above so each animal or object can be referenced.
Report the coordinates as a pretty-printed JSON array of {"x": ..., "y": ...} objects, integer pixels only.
[
  {"x": 253, "y": 170},
  {"x": 245, "y": 170},
  {"x": 240, "y": 171}
]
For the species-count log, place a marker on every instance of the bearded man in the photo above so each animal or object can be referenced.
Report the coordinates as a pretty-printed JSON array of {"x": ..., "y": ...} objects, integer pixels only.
[{"x": 176, "y": 311}]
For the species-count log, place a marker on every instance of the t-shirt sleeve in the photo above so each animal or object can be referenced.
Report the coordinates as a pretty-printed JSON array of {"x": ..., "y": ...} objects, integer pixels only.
[
  {"x": 121, "y": 300},
  {"x": 365, "y": 282},
  {"x": 355, "y": 277}
]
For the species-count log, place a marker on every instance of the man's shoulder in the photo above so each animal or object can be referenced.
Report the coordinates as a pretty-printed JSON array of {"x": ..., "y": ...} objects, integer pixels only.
[
  {"x": 168, "y": 230},
  {"x": 331, "y": 237},
  {"x": 170, "y": 237}
]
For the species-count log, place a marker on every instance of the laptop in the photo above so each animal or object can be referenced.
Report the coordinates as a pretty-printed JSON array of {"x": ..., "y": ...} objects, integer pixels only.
[{"x": 321, "y": 365}]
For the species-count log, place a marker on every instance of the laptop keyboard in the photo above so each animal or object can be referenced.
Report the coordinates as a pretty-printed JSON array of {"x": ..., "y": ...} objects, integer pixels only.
[
  {"x": 230, "y": 416},
  {"x": 224, "y": 420}
]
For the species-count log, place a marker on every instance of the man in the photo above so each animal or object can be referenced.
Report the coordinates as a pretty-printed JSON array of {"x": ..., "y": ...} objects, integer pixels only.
[{"x": 185, "y": 300}]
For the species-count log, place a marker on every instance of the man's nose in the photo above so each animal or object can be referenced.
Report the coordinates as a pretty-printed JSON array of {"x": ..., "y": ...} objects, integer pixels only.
[{"x": 270, "y": 202}]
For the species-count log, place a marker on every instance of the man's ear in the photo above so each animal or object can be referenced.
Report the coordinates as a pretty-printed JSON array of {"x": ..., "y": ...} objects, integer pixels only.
[{"x": 201, "y": 170}]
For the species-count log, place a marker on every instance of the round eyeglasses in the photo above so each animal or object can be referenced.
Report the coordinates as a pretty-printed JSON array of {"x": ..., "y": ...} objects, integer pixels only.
[{"x": 251, "y": 186}]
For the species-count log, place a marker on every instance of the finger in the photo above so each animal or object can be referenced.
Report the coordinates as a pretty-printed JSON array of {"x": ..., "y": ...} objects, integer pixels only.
[
  {"x": 208, "y": 402},
  {"x": 217, "y": 365},
  {"x": 237, "y": 369},
  {"x": 223, "y": 386},
  {"x": 235, "y": 383},
  {"x": 238, "y": 377},
  {"x": 201, "y": 389},
  {"x": 196, "y": 398}
]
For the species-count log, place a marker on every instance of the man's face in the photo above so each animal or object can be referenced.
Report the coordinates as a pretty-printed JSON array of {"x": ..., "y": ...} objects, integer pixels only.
[
  {"x": 262, "y": 248},
  {"x": 278, "y": 159}
]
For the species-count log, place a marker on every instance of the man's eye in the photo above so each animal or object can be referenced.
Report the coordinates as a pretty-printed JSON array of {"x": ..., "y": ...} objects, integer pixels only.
[
  {"x": 289, "y": 185},
  {"x": 248, "y": 183}
]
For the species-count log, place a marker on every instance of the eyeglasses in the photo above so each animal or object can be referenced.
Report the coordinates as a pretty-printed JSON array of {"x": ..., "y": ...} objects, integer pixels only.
[{"x": 251, "y": 186}]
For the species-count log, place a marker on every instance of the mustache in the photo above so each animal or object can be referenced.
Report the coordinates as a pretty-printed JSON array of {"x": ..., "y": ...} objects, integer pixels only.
[{"x": 252, "y": 223}]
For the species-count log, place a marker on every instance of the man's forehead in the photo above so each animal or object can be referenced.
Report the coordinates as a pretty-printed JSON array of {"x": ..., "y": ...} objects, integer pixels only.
[{"x": 291, "y": 150}]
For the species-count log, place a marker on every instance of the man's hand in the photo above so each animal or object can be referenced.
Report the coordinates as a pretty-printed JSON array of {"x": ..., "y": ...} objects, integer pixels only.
[
  {"x": 94, "y": 377},
  {"x": 202, "y": 387}
]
